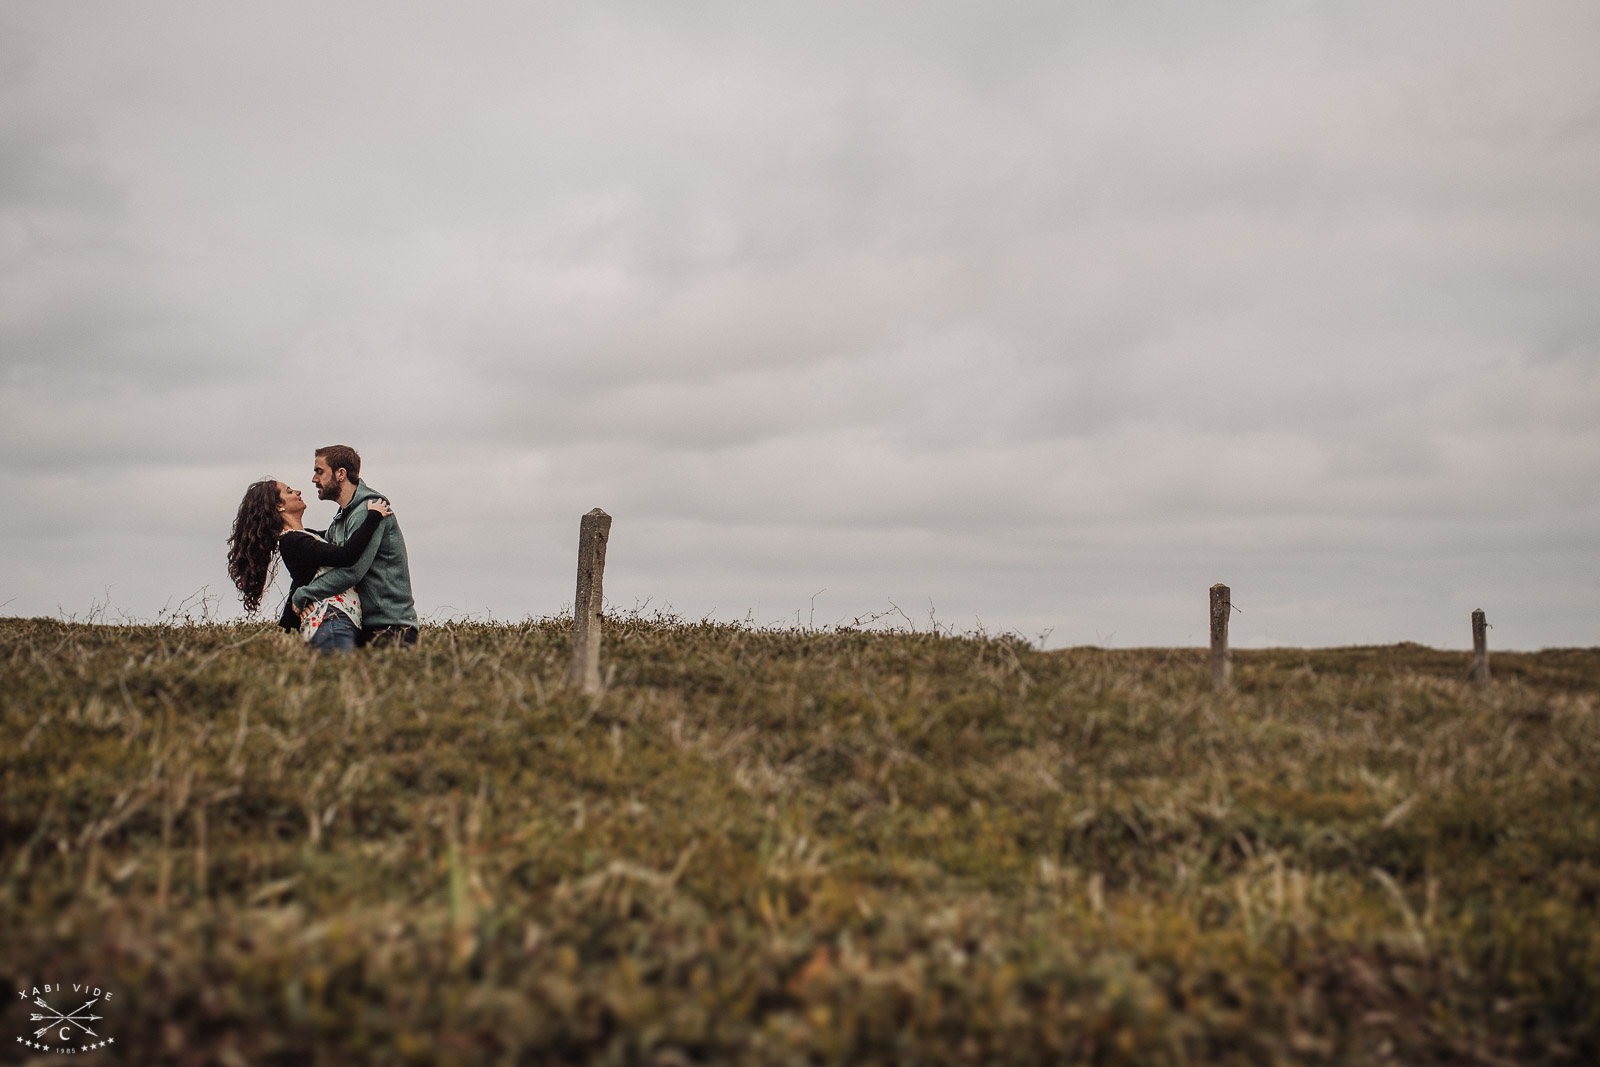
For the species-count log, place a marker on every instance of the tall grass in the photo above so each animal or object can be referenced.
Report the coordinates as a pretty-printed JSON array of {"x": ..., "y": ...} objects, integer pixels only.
[{"x": 798, "y": 847}]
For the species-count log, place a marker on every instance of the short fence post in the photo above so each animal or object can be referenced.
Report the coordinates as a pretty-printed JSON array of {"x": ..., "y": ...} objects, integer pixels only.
[
  {"x": 1221, "y": 663},
  {"x": 1480, "y": 647},
  {"x": 593, "y": 531}
]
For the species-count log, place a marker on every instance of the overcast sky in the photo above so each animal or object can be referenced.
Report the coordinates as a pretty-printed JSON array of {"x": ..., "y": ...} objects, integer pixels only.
[{"x": 1042, "y": 317}]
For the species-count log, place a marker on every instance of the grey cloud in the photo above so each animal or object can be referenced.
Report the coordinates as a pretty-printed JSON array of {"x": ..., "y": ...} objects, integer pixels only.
[{"x": 1043, "y": 311}]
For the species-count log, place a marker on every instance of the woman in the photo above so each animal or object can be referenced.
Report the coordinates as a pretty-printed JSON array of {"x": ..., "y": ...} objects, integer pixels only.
[{"x": 270, "y": 523}]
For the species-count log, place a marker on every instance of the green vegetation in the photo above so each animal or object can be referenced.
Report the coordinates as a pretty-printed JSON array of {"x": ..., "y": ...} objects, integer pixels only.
[{"x": 798, "y": 847}]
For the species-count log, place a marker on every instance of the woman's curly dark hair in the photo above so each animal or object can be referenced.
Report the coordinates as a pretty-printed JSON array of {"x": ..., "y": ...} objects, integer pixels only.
[{"x": 254, "y": 541}]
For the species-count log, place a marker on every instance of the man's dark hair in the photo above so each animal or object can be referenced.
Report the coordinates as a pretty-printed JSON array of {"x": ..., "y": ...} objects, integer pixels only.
[{"x": 342, "y": 457}]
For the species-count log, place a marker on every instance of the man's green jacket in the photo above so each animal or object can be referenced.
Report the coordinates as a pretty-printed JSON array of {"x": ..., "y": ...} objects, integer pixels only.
[{"x": 382, "y": 576}]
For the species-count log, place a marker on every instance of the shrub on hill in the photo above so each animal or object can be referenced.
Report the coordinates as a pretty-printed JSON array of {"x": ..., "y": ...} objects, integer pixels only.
[{"x": 799, "y": 847}]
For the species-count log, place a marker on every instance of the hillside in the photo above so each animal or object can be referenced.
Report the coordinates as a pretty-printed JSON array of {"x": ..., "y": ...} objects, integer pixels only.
[{"x": 796, "y": 847}]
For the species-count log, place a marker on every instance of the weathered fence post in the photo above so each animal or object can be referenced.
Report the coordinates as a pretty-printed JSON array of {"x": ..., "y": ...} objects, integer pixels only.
[
  {"x": 1221, "y": 662},
  {"x": 1480, "y": 647},
  {"x": 593, "y": 531}
]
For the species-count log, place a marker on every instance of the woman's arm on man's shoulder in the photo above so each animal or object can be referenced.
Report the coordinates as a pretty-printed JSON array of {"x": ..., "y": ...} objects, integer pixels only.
[{"x": 306, "y": 549}]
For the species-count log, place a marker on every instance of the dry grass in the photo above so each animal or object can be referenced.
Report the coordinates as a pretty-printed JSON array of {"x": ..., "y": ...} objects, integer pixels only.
[{"x": 799, "y": 847}]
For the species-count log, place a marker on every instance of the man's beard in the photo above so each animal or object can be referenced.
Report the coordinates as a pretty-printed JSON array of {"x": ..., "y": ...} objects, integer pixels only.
[{"x": 328, "y": 492}]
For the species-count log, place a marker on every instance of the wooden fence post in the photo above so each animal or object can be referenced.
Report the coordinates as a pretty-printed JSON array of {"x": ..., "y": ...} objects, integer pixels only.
[
  {"x": 1480, "y": 647},
  {"x": 593, "y": 531},
  {"x": 1221, "y": 662}
]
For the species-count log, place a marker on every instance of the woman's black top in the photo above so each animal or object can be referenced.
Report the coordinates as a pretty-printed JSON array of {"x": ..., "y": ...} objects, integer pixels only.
[{"x": 305, "y": 554}]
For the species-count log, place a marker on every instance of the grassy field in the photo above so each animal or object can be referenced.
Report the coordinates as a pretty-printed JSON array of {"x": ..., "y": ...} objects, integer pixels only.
[{"x": 797, "y": 847}]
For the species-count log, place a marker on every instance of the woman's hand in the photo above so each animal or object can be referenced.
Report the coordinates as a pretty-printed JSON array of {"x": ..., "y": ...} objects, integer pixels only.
[{"x": 380, "y": 505}]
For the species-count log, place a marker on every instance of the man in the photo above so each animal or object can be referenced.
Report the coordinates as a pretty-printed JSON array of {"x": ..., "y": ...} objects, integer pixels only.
[{"x": 382, "y": 575}]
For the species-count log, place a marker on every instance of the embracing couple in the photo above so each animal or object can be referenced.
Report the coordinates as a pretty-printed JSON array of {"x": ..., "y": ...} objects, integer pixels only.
[{"x": 350, "y": 585}]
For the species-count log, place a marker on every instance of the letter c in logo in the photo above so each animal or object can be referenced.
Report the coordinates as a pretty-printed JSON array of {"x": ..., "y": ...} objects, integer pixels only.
[{"x": 65, "y": 1030}]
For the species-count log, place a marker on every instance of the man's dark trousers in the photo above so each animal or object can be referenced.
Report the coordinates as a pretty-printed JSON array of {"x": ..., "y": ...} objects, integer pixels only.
[{"x": 399, "y": 636}]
